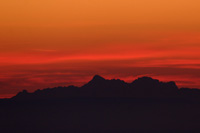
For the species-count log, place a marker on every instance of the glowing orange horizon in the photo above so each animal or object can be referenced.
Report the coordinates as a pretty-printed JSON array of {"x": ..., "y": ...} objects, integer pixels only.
[{"x": 50, "y": 43}]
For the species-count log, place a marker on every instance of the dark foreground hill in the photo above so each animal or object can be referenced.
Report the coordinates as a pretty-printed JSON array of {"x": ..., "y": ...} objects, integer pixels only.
[{"x": 104, "y": 106}]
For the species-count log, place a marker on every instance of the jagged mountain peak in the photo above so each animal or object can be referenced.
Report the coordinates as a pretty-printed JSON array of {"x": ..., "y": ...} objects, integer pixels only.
[
  {"x": 146, "y": 79},
  {"x": 97, "y": 78}
]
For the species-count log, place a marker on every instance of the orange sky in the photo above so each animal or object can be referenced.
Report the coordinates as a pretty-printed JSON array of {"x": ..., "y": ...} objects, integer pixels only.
[{"x": 46, "y": 43}]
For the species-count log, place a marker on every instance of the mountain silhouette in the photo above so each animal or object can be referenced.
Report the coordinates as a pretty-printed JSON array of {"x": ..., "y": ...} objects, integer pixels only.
[
  {"x": 145, "y": 105},
  {"x": 99, "y": 87}
]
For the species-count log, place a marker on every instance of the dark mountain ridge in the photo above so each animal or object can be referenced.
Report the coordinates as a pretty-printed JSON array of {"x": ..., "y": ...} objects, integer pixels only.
[
  {"x": 145, "y": 105},
  {"x": 99, "y": 87}
]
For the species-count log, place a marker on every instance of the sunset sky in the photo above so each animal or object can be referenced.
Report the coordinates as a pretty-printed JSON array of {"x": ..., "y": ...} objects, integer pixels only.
[{"x": 48, "y": 43}]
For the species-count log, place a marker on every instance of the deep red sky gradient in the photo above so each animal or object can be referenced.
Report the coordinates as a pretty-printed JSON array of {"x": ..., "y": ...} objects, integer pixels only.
[{"x": 48, "y": 43}]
